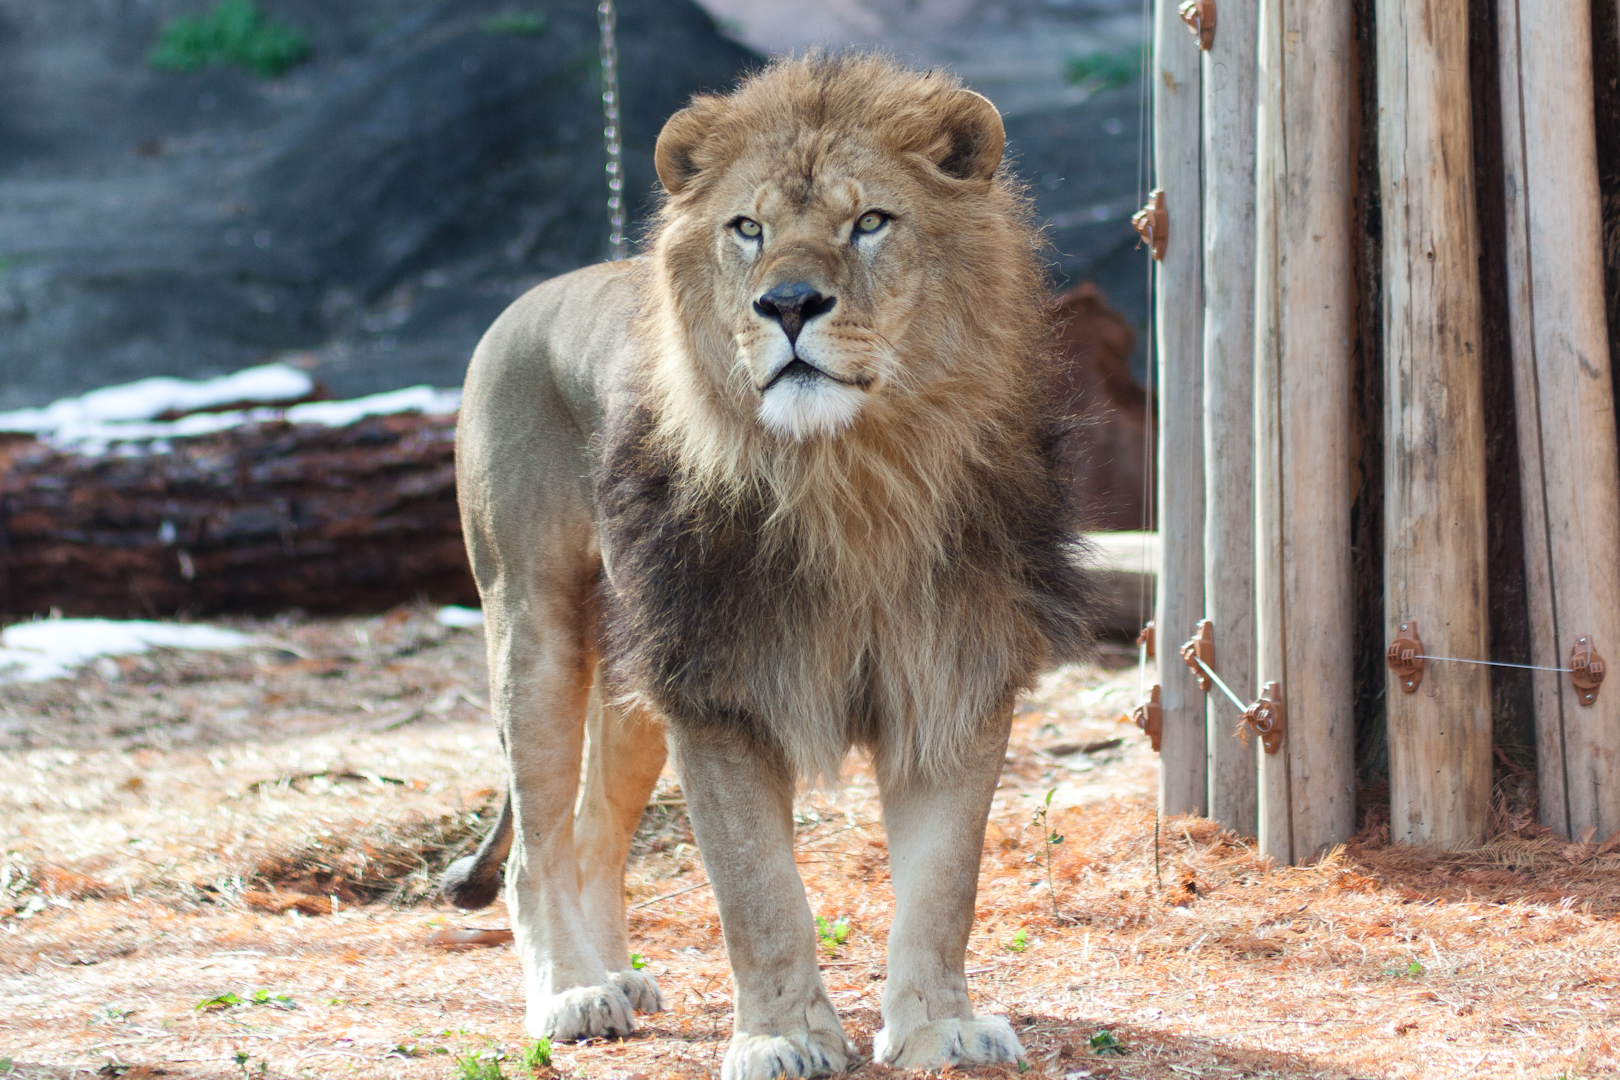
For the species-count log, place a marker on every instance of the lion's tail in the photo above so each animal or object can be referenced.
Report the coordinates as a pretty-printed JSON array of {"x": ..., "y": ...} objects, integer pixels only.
[{"x": 474, "y": 881}]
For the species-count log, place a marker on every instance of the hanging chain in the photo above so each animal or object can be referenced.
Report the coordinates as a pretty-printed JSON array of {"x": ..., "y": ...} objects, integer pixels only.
[{"x": 608, "y": 23}]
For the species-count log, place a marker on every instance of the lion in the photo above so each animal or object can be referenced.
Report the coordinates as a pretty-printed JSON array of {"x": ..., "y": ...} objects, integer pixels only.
[{"x": 785, "y": 487}]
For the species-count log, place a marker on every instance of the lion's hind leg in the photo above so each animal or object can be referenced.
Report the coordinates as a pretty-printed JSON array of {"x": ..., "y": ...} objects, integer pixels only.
[
  {"x": 935, "y": 829},
  {"x": 540, "y": 675},
  {"x": 625, "y": 754}
]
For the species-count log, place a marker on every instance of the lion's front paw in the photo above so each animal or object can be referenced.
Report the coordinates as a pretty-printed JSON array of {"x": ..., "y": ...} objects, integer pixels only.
[
  {"x": 805, "y": 1053},
  {"x": 984, "y": 1040},
  {"x": 580, "y": 1012},
  {"x": 640, "y": 988}
]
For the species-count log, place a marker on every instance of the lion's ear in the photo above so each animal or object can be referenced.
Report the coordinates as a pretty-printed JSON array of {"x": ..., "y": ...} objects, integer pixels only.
[
  {"x": 675, "y": 155},
  {"x": 974, "y": 137}
]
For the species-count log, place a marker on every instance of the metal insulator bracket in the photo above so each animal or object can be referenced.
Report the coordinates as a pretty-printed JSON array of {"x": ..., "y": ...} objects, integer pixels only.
[
  {"x": 1586, "y": 670},
  {"x": 1146, "y": 638},
  {"x": 1201, "y": 647},
  {"x": 1152, "y": 224},
  {"x": 1268, "y": 717},
  {"x": 1149, "y": 716},
  {"x": 1405, "y": 657},
  {"x": 1199, "y": 15}
]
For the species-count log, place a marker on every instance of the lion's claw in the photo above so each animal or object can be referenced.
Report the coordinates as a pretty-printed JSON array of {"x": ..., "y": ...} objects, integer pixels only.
[
  {"x": 580, "y": 1012},
  {"x": 805, "y": 1053},
  {"x": 640, "y": 989},
  {"x": 984, "y": 1040}
]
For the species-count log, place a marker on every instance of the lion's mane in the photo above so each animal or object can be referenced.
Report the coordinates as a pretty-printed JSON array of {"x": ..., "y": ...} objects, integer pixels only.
[{"x": 893, "y": 586}]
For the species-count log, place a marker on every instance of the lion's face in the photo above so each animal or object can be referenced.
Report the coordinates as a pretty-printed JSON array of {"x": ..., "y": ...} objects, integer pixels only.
[
  {"x": 817, "y": 284},
  {"x": 810, "y": 240}
]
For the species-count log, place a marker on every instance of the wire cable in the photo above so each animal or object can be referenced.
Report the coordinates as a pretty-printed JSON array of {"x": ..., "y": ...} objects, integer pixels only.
[{"x": 607, "y": 22}]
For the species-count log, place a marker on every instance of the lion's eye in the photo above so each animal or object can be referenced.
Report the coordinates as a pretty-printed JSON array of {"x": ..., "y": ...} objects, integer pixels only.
[
  {"x": 747, "y": 228},
  {"x": 871, "y": 222}
]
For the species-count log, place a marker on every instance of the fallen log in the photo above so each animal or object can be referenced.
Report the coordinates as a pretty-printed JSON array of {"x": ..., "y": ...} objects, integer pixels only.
[
  {"x": 1093, "y": 377},
  {"x": 168, "y": 497},
  {"x": 264, "y": 514}
]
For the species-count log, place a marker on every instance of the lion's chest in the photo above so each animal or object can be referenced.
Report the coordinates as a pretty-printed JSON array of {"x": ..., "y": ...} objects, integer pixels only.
[{"x": 719, "y": 613}]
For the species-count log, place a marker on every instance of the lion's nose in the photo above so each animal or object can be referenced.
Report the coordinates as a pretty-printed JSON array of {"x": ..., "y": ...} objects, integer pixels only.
[{"x": 793, "y": 304}]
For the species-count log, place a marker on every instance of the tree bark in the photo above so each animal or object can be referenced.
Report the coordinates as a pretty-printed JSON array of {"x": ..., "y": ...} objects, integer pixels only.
[
  {"x": 1229, "y": 255},
  {"x": 259, "y": 518},
  {"x": 1304, "y": 358},
  {"x": 1569, "y": 463},
  {"x": 1179, "y": 315},
  {"x": 1434, "y": 490}
]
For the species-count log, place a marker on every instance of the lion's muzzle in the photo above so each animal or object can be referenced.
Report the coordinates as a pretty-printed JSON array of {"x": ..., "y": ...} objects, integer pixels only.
[{"x": 792, "y": 304}]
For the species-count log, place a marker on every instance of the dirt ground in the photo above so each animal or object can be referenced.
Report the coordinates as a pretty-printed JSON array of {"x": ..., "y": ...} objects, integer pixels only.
[{"x": 220, "y": 865}]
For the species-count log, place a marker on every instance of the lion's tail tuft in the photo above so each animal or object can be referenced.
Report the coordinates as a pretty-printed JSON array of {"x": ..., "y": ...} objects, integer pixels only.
[{"x": 474, "y": 881}]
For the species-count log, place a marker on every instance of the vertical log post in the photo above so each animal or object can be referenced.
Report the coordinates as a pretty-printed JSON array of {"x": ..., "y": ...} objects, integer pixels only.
[
  {"x": 1305, "y": 332},
  {"x": 1179, "y": 314},
  {"x": 1564, "y": 399},
  {"x": 1229, "y": 161},
  {"x": 1434, "y": 453}
]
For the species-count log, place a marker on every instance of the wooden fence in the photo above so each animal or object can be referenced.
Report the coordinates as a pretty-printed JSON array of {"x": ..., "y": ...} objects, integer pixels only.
[{"x": 1388, "y": 467}]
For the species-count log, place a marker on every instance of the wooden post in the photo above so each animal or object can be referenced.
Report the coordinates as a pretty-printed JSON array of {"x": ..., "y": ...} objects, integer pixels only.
[
  {"x": 1179, "y": 316},
  {"x": 1434, "y": 453},
  {"x": 1229, "y": 161},
  {"x": 1305, "y": 332},
  {"x": 1564, "y": 399}
]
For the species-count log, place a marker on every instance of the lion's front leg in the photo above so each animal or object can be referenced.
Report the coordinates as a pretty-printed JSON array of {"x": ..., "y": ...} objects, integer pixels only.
[
  {"x": 741, "y": 801},
  {"x": 935, "y": 827}
]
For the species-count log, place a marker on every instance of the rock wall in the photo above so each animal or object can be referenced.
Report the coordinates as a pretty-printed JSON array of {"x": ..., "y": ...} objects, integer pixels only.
[{"x": 376, "y": 206}]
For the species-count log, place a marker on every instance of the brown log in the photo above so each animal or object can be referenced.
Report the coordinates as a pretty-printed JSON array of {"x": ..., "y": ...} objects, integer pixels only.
[
  {"x": 1093, "y": 375},
  {"x": 267, "y": 516},
  {"x": 1230, "y": 83},
  {"x": 1179, "y": 317},
  {"x": 1305, "y": 330},
  {"x": 1565, "y": 399},
  {"x": 1434, "y": 454},
  {"x": 258, "y": 518}
]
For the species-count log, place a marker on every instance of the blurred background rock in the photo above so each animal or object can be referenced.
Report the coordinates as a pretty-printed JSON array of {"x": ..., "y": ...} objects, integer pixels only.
[{"x": 367, "y": 212}]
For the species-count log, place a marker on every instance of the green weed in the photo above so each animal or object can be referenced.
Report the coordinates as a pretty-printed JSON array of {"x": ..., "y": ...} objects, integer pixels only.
[
  {"x": 537, "y": 1055},
  {"x": 219, "y": 1001},
  {"x": 637, "y": 961},
  {"x": 1053, "y": 839},
  {"x": 479, "y": 1067},
  {"x": 1019, "y": 942},
  {"x": 265, "y": 997},
  {"x": 521, "y": 23},
  {"x": 1107, "y": 70},
  {"x": 1103, "y": 1042},
  {"x": 832, "y": 934},
  {"x": 235, "y": 32}
]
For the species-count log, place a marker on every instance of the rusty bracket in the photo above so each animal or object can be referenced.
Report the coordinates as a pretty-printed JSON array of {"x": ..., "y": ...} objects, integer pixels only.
[
  {"x": 1149, "y": 716},
  {"x": 1268, "y": 717},
  {"x": 1152, "y": 223},
  {"x": 1146, "y": 638},
  {"x": 1587, "y": 670},
  {"x": 1405, "y": 657},
  {"x": 1201, "y": 647},
  {"x": 1199, "y": 15}
]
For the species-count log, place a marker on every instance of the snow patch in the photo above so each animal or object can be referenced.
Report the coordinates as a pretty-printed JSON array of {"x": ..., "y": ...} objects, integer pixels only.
[
  {"x": 52, "y": 648},
  {"x": 451, "y": 615},
  {"x": 147, "y": 399},
  {"x": 122, "y": 419}
]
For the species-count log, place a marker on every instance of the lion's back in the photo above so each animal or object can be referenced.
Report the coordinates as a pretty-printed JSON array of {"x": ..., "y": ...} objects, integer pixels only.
[{"x": 536, "y": 391}]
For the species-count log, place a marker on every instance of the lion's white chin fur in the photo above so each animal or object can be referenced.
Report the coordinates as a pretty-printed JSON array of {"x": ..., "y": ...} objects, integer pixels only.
[{"x": 805, "y": 407}]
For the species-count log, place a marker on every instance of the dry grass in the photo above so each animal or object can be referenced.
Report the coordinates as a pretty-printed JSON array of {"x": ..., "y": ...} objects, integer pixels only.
[{"x": 183, "y": 830}]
